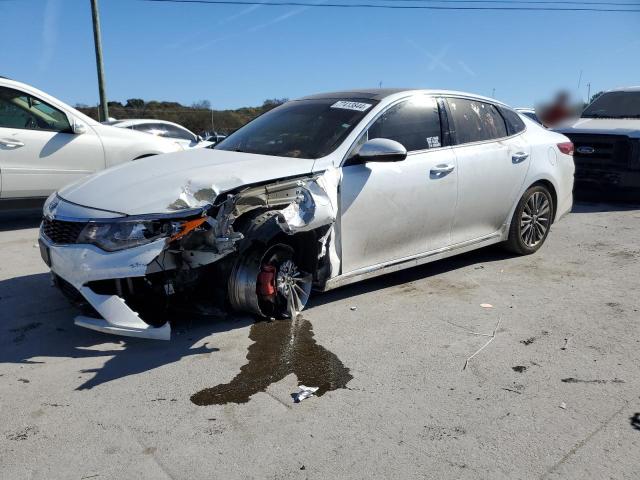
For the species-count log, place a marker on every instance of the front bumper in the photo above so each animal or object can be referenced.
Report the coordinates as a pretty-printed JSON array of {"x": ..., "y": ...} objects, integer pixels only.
[{"x": 79, "y": 265}]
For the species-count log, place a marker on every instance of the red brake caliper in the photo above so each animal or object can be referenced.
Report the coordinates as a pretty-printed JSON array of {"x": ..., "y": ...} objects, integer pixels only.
[{"x": 267, "y": 282}]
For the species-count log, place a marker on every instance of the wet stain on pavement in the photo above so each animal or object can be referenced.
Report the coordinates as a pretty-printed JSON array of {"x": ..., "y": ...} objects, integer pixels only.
[{"x": 279, "y": 348}]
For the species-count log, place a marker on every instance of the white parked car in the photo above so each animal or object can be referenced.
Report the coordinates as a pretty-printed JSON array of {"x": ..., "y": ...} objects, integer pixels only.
[
  {"x": 163, "y": 128},
  {"x": 529, "y": 112},
  {"x": 46, "y": 144},
  {"x": 317, "y": 193}
]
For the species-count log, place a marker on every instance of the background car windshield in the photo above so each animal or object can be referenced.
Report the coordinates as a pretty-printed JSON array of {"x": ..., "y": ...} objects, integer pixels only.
[
  {"x": 614, "y": 105},
  {"x": 300, "y": 129}
]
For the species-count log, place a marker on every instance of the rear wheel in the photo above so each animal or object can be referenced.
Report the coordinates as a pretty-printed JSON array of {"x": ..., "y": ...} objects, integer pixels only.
[
  {"x": 531, "y": 221},
  {"x": 269, "y": 282}
]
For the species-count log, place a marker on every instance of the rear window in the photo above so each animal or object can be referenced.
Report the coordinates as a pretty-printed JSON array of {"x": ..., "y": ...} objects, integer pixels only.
[
  {"x": 475, "y": 121},
  {"x": 513, "y": 121}
]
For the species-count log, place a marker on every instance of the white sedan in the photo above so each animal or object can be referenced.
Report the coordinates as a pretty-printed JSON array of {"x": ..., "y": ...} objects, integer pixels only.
[
  {"x": 317, "y": 193},
  {"x": 163, "y": 128},
  {"x": 46, "y": 144}
]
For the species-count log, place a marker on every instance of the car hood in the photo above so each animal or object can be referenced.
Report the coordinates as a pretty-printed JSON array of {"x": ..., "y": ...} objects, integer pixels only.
[
  {"x": 604, "y": 126},
  {"x": 170, "y": 182}
]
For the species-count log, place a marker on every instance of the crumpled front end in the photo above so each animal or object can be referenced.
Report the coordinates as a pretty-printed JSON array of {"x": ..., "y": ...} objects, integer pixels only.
[{"x": 189, "y": 253}]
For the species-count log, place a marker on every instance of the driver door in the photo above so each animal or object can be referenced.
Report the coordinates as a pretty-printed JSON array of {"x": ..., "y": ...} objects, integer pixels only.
[
  {"x": 38, "y": 151},
  {"x": 394, "y": 210}
]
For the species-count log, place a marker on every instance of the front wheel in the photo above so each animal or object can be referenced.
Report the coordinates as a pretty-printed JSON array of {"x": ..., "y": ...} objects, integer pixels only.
[
  {"x": 531, "y": 221},
  {"x": 269, "y": 282}
]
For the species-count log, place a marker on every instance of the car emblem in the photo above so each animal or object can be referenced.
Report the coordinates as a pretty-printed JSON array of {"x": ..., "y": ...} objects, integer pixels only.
[{"x": 586, "y": 150}]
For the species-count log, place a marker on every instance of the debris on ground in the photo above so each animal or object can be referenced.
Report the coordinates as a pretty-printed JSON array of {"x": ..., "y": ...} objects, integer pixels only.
[
  {"x": 564, "y": 347},
  {"x": 486, "y": 305},
  {"x": 493, "y": 335},
  {"x": 577, "y": 380},
  {"x": 353, "y": 309},
  {"x": 304, "y": 393},
  {"x": 635, "y": 421},
  {"x": 563, "y": 406},
  {"x": 519, "y": 368}
]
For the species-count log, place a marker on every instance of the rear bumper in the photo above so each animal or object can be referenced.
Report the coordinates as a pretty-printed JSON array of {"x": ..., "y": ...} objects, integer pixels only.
[{"x": 78, "y": 265}]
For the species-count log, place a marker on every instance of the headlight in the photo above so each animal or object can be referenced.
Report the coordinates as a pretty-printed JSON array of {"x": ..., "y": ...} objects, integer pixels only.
[{"x": 125, "y": 234}]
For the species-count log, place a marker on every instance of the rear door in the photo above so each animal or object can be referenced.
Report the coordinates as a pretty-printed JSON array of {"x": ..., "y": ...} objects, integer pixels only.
[
  {"x": 492, "y": 166},
  {"x": 38, "y": 151},
  {"x": 393, "y": 210}
]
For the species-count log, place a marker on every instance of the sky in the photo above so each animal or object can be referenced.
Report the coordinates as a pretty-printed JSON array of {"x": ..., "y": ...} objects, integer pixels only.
[{"x": 239, "y": 55}]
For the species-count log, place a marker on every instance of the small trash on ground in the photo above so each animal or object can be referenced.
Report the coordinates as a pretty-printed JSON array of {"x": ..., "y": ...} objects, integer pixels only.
[
  {"x": 486, "y": 305},
  {"x": 563, "y": 405},
  {"x": 304, "y": 393},
  {"x": 353, "y": 309},
  {"x": 564, "y": 347}
]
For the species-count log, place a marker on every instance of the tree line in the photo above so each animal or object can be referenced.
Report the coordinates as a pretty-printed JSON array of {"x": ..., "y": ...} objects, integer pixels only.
[{"x": 199, "y": 117}]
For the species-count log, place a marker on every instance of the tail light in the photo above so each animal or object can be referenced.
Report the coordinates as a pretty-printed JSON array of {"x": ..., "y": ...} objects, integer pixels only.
[{"x": 566, "y": 148}]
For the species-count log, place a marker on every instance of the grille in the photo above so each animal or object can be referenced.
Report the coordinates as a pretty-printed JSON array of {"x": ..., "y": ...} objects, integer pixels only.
[
  {"x": 61, "y": 232},
  {"x": 608, "y": 150}
]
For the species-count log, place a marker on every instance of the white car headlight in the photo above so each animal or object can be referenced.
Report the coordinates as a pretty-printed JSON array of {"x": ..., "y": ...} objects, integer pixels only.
[{"x": 125, "y": 234}]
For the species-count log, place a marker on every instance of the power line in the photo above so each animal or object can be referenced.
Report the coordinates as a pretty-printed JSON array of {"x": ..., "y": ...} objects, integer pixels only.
[{"x": 399, "y": 7}]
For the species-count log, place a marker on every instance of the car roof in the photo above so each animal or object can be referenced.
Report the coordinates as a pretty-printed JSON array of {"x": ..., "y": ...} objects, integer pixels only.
[
  {"x": 625, "y": 89},
  {"x": 382, "y": 93},
  {"x": 141, "y": 121}
]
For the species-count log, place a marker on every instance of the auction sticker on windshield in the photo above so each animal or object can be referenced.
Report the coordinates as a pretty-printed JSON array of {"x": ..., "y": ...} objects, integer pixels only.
[{"x": 357, "y": 106}]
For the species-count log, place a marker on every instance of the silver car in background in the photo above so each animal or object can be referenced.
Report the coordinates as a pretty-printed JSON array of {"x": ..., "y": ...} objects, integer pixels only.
[{"x": 315, "y": 194}]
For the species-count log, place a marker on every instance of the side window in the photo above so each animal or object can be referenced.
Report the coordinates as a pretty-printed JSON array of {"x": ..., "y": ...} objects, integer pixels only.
[
  {"x": 414, "y": 123},
  {"x": 514, "y": 122},
  {"x": 177, "y": 132},
  {"x": 20, "y": 110},
  {"x": 475, "y": 121},
  {"x": 158, "y": 129}
]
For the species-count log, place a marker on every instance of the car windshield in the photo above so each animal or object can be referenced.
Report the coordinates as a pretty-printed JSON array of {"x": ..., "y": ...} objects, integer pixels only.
[
  {"x": 614, "y": 105},
  {"x": 300, "y": 129}
]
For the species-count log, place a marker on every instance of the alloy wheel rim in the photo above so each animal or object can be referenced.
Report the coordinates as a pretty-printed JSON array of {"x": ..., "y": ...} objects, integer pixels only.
[
  {"x": 294, "y": 286},
  {"x": 535, "y": 219}
]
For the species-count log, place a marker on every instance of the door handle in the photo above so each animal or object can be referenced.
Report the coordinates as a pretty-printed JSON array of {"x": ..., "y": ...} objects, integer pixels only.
[
  {"x": 442, "y": 170},
  {"x": 519, "y": 157},
  {"x": 11, "y": 143}
]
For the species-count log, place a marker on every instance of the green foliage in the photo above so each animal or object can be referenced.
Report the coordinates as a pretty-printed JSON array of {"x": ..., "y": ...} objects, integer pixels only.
[{"x": 199, "y": 117}]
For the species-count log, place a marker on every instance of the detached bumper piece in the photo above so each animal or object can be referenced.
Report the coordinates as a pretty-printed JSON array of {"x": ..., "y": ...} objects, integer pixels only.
[
  {"x": 123, "y": 320},
  {"x": 97, "y": 308}
]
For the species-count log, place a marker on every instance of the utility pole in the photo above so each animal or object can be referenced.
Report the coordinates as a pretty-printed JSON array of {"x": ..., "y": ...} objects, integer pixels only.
[
  {"x": 104, "y": 108},
  {"x": 589, "y": 92}
]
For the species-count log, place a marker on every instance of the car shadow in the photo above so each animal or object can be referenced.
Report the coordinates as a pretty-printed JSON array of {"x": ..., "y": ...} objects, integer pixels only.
[
  {"x": 603, "y": 206},
  {"x": 489, "y": 254},
  {"x": 20, "y": 220},
  {"x": 37, "y": 328},
  {"x": 607, "y": 200}
]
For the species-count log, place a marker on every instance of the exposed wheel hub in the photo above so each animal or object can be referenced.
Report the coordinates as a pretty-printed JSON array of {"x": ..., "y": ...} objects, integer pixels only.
[{"x": 286, "y": 278}]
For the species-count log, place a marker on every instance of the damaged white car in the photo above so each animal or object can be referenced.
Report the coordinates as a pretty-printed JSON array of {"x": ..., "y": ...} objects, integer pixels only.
[{"x": 315, "y": 194}]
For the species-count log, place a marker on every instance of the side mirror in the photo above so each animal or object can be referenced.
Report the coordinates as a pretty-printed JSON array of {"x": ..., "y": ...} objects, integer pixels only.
[
  {"x": 78, "y": 127},
  {"x": 381, "y": 150}
]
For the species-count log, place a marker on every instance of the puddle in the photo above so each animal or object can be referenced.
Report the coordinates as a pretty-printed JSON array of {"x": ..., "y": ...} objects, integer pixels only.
[{"x": 279, "y": 348}]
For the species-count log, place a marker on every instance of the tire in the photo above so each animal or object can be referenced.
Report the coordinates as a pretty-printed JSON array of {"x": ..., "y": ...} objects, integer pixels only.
[
  {"x": 531, "y": 221},
  {"x": 266, "y": 281}
]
